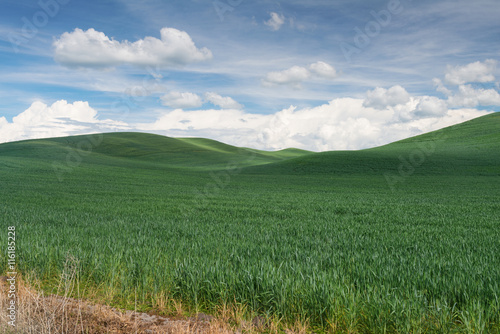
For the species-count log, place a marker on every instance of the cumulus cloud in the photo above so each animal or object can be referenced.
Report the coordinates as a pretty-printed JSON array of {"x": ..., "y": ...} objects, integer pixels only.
[
  {"x": 323, "y": 69},
  {"x": 223, "y": 102},
  {"x": 440, "y": 87},
  {"x": 59, "y": 119},
  {"x": 313, "y": 128},
  {"x": 341, "y": 124},
  {"x": 381, "y": 98},
  {"x": 468, "y": 96},
  {"x": 183, "y": 100},
  {"x": 276, "y": 21},
  {"x": 473, "y": 72},
  {"x": 294, "y": 76},
  {"x": 92, "y": 48},
  {"x": 431, "y": 106},
  {"x": 384, "y": 116}
]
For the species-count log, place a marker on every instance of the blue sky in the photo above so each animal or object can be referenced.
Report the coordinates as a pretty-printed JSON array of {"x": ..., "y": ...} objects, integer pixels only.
[{"x": 318, "y": 75}]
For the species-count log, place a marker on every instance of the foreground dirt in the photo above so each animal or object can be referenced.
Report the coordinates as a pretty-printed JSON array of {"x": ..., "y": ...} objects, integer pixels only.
[{"x": 40, "y": 314}]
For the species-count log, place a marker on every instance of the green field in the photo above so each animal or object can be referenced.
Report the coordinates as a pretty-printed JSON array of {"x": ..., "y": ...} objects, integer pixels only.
[{"x": 401, "y": 238}]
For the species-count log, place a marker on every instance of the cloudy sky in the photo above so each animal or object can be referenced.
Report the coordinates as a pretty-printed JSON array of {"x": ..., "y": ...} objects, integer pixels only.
[{"x": 318, "y": 75}]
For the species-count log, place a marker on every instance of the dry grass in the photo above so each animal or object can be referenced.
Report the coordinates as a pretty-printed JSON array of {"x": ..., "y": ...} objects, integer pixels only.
[
  {"x": 37, "y": 313},
  {"x": 56, "y": 314}
]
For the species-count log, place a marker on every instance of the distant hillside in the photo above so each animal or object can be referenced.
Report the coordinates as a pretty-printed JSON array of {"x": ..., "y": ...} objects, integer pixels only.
[
  {"x": 480, "y": 134},
  {"x": 140, "y": 149},
  {"x": 472, "y": 147}
]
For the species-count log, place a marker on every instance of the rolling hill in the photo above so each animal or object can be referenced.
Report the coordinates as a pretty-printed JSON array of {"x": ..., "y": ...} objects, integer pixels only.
[
  {"x": 470, "y": 147},
  {"x": 139, "y": 150}
]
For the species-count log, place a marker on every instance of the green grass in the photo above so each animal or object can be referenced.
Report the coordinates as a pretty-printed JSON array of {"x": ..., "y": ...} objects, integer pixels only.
[
  {"x": 136, "y": 150},
  {"x": 349, "y": 240}
]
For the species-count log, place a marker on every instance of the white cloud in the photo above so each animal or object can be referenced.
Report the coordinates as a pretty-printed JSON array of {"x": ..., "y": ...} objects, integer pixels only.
[
  {"x": 319, "y": 128},
  {"x": 469, "y": 96},
  {"x": 292, "y": 76},
  {"x": 383, "y": 116},
  {"x": 440, "y": 87},
  {"x": 92, "y": 48},
  {"x": 341, "y": 124},
  {"x": 295, "y": 75},
  {"x": 431, "y": 106},
  {"x": 381, "y": 98},
  {"x": 473, "y": 72},
  {"x": 276, "y": 21},
  {"x": 59, "y": 119},
  {"x": 183, "y": 100},
  {"x": 223, "y": 102},
  {"x": 323, "y": 69}
]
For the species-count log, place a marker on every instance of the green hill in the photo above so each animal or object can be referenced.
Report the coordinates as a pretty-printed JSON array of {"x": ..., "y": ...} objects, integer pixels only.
[
  {"x": 468, "y": 148},
  {"x": 139, "y": 149}
]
